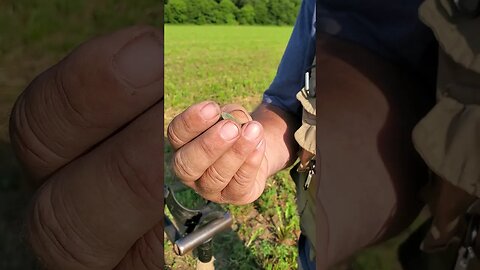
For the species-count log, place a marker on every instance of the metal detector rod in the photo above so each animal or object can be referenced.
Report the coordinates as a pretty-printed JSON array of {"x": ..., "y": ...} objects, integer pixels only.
[{"x": 202, "y": 235}]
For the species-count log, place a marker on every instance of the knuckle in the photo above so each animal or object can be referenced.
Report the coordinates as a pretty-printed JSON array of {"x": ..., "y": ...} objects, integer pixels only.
[
  {"x": 75, "y": 114},
  {"x": 212, "y": 181},
  {"x": 243, "y": 178},
  {"x": 186, "y": 122},
  {"x": 180, "y": 127},
  {"x": 57, "y": 243},
  {"x": 240, "y": 191},
  {"x": 241, "y": 150},
  {"x": 41, "y": 120},
  {"x": 141, "y": 181},
  {"x": 28, "y": 138},
  {"x": 182, "y": 169},
  {"x": 208, "y": 149},
  {"x": 173, "y": 137}
]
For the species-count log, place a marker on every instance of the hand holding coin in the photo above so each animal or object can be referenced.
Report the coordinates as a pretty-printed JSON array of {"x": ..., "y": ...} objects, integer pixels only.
[{"x": 219, "y": 152}]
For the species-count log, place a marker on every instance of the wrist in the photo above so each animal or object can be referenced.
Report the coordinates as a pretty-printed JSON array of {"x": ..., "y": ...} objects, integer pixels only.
[{"x": 279, "y": 128}]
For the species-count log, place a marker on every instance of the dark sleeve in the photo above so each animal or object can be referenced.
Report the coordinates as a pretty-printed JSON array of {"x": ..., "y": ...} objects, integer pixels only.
[{"x": 298, "y": 56}]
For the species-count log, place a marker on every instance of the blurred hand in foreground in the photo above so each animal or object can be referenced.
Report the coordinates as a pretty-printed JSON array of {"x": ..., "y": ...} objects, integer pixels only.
[{"x": 89, "y": 130}]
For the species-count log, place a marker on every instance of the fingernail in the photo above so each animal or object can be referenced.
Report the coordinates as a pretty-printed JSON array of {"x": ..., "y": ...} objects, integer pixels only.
[
  {"x": 209, "y": 111},
  {"x": 229, "y": 131},
  {"x": 140, "y": 60},
  {"x": 252, "y": 131}
]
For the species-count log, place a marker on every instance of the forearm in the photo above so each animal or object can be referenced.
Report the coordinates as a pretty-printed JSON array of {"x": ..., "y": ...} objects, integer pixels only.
[{"x": 279, "y": 128}]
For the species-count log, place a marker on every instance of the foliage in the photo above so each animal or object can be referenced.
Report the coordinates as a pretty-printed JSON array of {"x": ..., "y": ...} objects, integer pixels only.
[
  {"x": 282, "y": 11},
  {"x": 246, "y": 15},
  {"x": 227, "y": 12},
  {"x": 176, "y": 11},
  {"x": 264, "y": 12}
]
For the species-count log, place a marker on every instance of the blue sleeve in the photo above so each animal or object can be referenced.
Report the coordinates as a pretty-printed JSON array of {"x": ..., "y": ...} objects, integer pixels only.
[{"x": 298, "y": 56}]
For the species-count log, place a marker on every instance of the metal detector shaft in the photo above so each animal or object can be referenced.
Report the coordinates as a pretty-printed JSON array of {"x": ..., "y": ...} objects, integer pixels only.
[{"x": 202, "y": 235}]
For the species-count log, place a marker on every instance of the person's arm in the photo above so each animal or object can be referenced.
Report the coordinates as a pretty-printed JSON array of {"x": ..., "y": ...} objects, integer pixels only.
[
  {"x": 298, "y": 56},
  {"x": 279, "y": 112},
  {"x": 279, "y": 127}
]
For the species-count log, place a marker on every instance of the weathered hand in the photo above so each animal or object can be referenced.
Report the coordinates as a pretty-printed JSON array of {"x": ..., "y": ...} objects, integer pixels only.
[
  {"x": 90, "y": 131},
  {"x": 222, "y": 160}
]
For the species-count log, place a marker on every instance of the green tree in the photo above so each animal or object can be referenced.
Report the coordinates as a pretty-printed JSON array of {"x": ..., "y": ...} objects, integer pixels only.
[
  {"x": 242, "y": 3},
  {"x": 227, "y": 11},
  {"x": 262, "y": 14},
  {"x": 175, "y": 11},
  {"x": 202, "y": 11},
  {"x": 246, "y": 15},
  {"x": 282, "y": 11}
]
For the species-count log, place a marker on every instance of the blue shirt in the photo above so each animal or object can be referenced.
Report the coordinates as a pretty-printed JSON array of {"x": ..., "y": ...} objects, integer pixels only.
[
  {"x": 391, "y": 29},
  {"x": 298, "y": 56}
]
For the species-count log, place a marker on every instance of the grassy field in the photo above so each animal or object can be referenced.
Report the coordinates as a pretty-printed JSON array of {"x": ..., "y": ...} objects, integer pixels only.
[
  {"x": 222, "y": 63},
  {"x": 231, "y": 64}
]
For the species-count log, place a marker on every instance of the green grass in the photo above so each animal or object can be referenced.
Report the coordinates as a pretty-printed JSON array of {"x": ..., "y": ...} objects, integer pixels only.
[
  {"x": 234, "y": 64},
  {"x": 222, "y": 63}
]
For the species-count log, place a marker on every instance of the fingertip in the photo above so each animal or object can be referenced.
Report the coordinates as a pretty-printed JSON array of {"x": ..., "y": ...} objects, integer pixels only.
[
  {"x": 209, "y": 110},
  {"x": 229, "y": 131},
  {"x": 137, "y": 61},
  {"x": 253, "y": 130}
]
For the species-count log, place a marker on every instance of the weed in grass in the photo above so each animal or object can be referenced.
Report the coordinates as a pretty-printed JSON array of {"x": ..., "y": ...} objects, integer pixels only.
[
  {"x": 254, "y": 236},
  {"x": 284, "y": 229}
]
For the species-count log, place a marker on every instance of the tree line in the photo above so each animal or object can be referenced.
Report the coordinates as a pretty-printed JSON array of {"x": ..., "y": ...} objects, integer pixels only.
[{"x": 264, "y": 12}]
